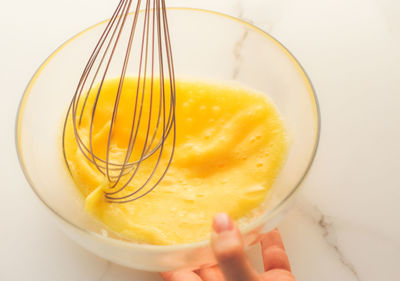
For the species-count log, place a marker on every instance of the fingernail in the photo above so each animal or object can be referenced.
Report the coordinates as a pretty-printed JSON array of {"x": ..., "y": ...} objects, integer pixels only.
[{"x": 222, "y": 223}]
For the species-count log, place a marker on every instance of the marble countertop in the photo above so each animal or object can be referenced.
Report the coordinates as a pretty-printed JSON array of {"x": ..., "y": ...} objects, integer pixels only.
[{"x": 346, "y": 224}]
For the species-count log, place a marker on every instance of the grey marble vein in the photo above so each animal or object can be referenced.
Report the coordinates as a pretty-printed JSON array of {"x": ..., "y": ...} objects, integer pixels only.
[
  {"x": 329, "y": 233},
  {"x": 237, "y": 52},
  {"x": 237, "y": 49},
  {"x": 240, "y": 11},
  {"x": 239, "y": 8},
  {"x": 326, "y": 225}
]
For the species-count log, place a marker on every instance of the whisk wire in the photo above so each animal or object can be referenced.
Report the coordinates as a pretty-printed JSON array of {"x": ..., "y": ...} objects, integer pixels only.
[
  {"x": 121, "y": 174},
  {"x": 162, "y": 98}
]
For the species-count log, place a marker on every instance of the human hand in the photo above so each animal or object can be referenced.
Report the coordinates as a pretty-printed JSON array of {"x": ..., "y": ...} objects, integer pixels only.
[{"x": 233, "y": 265}]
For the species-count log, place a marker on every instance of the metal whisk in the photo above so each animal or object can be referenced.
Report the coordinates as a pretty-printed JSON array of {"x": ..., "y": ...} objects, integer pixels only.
[{"x": 155, "y": 64}]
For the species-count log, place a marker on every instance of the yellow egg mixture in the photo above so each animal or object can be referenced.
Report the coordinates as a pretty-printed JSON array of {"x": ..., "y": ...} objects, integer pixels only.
[{"x": 230, "y": 146}]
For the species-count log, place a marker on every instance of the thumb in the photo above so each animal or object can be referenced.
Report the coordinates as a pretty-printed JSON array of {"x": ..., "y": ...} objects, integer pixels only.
[{"x": 228, "y": 247}]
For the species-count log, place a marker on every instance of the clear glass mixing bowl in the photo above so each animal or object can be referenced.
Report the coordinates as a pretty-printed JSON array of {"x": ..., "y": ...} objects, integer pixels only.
[{"x": 206, "y": 45}]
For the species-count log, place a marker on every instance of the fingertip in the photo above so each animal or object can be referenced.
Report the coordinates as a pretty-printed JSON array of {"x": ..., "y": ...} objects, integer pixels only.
[
  {"x": 228, "y": 248},
  {"x": 273, "y": 251},
  {"x": 272, "y": 238},
  {"x": 226, "y": 240},
  {"x": 227, "y": 245},
  {"x": 222, "y": 222}
]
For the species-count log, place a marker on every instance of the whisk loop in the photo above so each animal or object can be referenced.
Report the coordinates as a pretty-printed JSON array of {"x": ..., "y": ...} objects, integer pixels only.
[{"x": 153, "y": 106}]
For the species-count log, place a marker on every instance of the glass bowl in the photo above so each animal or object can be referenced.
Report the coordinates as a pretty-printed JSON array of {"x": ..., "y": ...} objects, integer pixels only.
[{"x": 207, "y": 46}]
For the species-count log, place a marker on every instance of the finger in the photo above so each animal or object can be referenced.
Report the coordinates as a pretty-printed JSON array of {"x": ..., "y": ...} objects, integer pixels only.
[
  {"x": 273, "y": 251},
  {"x": 180, "y": 275},
  {"x": 213, "y": 273},
  {"x": 277, "y": 275},
  {"x": 228, "y": 247}
]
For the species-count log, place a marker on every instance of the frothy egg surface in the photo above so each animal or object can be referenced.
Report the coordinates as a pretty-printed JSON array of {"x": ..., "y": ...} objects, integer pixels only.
[{"x": 230, "y": 146}]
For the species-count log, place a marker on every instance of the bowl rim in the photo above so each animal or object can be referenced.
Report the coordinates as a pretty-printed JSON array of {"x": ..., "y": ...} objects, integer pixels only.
[{"x": 166, "y": 248}]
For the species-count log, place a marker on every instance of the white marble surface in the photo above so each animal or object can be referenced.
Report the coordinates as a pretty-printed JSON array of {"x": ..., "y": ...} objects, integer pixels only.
[{"x": 346, "y": 225}]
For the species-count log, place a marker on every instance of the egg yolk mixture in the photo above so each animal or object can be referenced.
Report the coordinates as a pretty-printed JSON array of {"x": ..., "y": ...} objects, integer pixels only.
[{"x": 230, "y": 146}]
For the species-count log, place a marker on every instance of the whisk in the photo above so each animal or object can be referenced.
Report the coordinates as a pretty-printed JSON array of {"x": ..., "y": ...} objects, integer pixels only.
[{"x": 155, "y": 64}]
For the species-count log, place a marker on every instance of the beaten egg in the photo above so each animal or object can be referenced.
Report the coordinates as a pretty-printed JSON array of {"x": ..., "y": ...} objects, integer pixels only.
[{"x": 230, "y": 146}]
